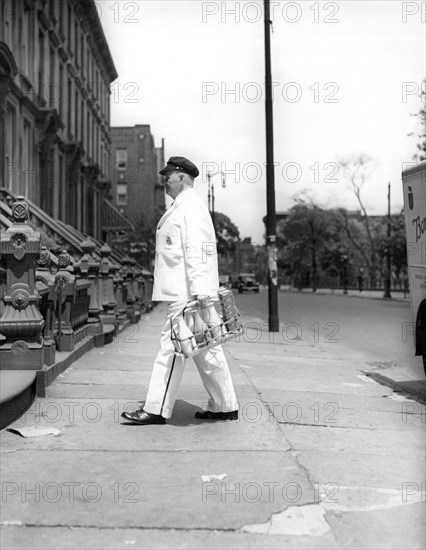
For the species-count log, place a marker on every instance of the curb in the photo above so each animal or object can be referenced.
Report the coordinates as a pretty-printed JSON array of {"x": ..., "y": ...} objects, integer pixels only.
[{"x": 415, "y": 389}]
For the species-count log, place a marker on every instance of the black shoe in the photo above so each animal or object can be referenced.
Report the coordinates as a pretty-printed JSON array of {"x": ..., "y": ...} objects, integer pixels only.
[
  {"x": 208, "y": 415},
  {"x": 142, "y": 417}
]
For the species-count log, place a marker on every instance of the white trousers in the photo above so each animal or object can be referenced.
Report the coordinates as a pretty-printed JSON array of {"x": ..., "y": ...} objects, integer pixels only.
[{"x": 168, "y": 371}]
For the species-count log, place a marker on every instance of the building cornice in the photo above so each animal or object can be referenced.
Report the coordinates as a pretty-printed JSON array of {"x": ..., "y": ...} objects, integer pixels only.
[{"x": 88, "y": 8}]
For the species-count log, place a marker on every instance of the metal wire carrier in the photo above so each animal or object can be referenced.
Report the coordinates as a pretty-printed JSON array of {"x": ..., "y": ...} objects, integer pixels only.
[{"x": 195, "y": 329}]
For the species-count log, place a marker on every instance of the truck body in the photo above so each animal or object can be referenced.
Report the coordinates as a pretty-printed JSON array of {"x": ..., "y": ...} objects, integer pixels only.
[{"x": 414, "y": 187}]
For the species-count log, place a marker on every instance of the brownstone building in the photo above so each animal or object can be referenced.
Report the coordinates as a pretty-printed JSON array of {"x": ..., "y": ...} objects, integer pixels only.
[
  {"x": 137, "y": 191},
  {"x": 55, "y": 76}
]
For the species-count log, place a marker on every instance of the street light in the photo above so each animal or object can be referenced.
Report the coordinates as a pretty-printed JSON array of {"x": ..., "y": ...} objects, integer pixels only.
[
  {"x": 344, "y": 259},
  {"x": 210, "y": 193},
  {"x": 387, "y": 293}
]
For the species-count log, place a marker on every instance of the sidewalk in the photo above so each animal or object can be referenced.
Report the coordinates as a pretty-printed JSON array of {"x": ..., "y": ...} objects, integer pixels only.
[{"x": 321, "y": 457}]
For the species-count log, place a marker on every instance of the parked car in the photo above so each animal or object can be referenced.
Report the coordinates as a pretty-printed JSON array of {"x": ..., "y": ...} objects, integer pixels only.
[{"x": 247, "y": 283}]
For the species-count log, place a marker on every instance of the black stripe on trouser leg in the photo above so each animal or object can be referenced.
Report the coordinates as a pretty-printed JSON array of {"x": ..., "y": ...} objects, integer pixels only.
[{"x": 168, "y": 383}]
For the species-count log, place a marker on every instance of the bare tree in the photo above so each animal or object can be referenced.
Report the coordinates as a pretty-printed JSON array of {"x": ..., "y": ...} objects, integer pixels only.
[
  {"x": 421, "y": 134},
  {"x": 357, "y": 170}
]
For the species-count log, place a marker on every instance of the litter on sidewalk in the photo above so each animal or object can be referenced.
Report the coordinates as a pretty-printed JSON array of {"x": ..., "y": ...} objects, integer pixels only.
[
  {"x": 34, "y": 431},
  {"x": 213, "y": 477}
]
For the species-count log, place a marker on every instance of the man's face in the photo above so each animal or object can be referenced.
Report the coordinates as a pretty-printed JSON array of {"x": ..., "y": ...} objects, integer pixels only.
[{"x": 172, "y": 184}]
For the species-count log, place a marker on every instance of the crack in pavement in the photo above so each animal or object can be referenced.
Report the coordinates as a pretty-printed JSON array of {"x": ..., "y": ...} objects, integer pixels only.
[
  {"x": 325, "y": 426},
  {"x": 291, "y": 517}
]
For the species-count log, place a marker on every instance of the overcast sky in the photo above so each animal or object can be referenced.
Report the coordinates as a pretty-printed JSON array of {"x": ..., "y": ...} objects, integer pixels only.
[{"x": 347, "y": 78}]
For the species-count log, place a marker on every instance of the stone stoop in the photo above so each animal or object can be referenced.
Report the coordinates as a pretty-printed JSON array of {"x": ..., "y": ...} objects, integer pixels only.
[{"x": 18, "y": 388}]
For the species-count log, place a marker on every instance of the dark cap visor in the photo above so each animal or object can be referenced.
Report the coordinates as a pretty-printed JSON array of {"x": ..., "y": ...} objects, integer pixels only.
[{"x": 167, "y": 169}]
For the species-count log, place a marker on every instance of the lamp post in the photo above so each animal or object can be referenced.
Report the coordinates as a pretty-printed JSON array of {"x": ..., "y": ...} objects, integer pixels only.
[
  {"x": 210, "y": 193},
  {"x": 344, "y": 259},
  {"x": 387, "y": 293}
]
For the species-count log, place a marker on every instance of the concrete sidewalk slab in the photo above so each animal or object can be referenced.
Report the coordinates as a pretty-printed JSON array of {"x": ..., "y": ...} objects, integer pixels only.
[
  {"x": 115, "y": 539},
  {"x": 277, "y": 471},
  {"x": 97, "y": 424},
  {"x": 409, "y": 443},
  {"x": 156, "y": 491},
  {"x": 362, "y": 469},
  {"x": 339, "y": 411}
]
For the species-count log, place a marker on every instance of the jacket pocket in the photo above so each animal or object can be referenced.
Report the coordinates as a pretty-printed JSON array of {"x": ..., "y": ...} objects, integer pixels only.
[{"x": 171, "y": 247}]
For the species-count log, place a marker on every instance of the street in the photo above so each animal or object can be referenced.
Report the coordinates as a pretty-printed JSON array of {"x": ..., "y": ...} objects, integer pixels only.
[{"x": 379, "y": 331}]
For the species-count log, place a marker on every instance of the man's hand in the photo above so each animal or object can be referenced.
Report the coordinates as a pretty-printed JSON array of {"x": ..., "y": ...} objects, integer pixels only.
[{"x": 202, "y": 299}]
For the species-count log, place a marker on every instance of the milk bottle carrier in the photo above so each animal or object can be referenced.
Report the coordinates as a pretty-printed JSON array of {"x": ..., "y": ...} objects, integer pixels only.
[{"x": 195, "y": 329}]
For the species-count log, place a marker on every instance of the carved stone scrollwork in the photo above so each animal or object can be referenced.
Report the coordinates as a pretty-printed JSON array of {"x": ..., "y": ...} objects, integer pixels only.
[
  {"x": 20, "y": 298},
  {"x": 19, "y": 242},
  {"x": 19, "y": 348},
  {"x": 43, "y": 260},
  {"x": 20, "y": 210},
  {"x": 64, "y": 259},
  {"x": 21, "y": 323}
]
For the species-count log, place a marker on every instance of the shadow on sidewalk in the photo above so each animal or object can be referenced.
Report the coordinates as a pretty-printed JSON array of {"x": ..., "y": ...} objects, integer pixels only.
[
  {"x": 412, "y": 389},
  {"x": 183, "y": 414}
]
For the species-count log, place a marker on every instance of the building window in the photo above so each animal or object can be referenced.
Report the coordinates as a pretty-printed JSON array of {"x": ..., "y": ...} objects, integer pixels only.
[
  {"x": 82, "y": 52},
  {"x": 10, "y": 147},
  {"x": 27, "y": 168},
  {"x": 69, "y": 37},
  {"x": 62, "y": 194},
  {"x": 52, "y": 75},
  {"x": 82, "y": 135},
  {"x": 41, "y": 65},
  {"x": 76, "y": 40},
  {"x": 60, "y": 91},
  {"x": 93, "y": 76},
  {"x": 88, "y": 65},
  {"x": 121, "y": 159},
  {"x": 31, "y": 44},
  {"x": 87, "y": 132},
  {"x": 62, "y": 19},
  {"x": 76, "y": 103},
  {"x": 93, "y": 139},
  {"x": 121, "y": 193},
  {"x": 7, "y": 17},
  {"x": 69, "y": 102},
  {"x": 52, "y": 10}
]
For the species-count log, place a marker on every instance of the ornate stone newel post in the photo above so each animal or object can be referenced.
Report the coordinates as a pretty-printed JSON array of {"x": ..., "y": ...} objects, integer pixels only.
[
  {"x": 21, "y": 322},
  {"x": 107, "y": 271},
  {"x": 88, "y": 268}
]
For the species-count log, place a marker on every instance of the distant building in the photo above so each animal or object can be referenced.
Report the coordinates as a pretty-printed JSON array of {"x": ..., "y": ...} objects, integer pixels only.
[
  {"x": 55, "y": 76},
  {"x": 136, "y": 185}
]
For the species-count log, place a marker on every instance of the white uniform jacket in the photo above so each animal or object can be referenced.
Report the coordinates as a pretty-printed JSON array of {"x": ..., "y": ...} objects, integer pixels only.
[{"x": 185, "y": 256}]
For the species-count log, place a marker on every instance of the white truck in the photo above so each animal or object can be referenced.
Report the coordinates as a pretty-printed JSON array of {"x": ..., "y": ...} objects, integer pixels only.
[{"x": 414, "y": 187}]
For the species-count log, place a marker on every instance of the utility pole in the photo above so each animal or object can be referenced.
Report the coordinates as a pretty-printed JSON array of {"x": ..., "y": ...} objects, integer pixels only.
[
  {"x": 387, "y": 293},
  {"x": 213, "y": 215},
  {"x": 210, "y": 194},
  {"x": 271, "y": 223}
]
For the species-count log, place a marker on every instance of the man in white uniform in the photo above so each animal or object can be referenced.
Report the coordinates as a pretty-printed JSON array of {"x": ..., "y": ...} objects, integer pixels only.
[{"x": 185, "y": 269}]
